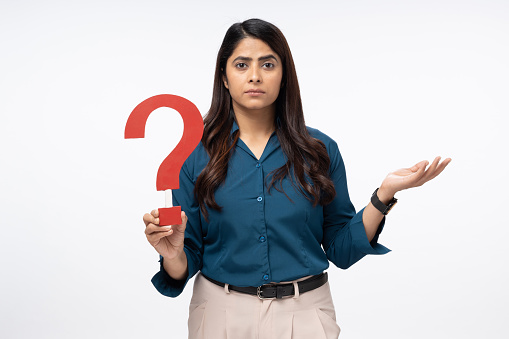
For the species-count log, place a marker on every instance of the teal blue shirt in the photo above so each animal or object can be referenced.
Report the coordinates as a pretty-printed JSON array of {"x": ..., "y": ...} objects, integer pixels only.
[{"x": 260, "y": 237}]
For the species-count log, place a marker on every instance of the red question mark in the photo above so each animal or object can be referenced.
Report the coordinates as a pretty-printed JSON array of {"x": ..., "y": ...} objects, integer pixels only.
[{"x": 168, "y": 172}]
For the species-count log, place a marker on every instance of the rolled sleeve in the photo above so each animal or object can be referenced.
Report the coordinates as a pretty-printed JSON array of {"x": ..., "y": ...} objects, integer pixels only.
[
  {"x": 170, "y": 287},
  {"x": 165, "y": 284},
  {"x": 360, "y": 238}
]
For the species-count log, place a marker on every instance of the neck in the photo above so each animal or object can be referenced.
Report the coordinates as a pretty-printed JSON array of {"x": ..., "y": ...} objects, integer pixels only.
[{"x": 255, "y": 123}]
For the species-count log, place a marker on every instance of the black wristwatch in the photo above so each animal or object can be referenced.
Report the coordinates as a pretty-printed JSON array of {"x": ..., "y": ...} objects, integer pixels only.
[{"x": 380, "y": 205}]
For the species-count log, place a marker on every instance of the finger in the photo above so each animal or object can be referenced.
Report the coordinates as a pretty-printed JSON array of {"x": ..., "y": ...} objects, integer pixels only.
[
  {"x": 148, "y": 218},
  {"x": 419, "y": 166},
  {"x": 154, "y": 238},
  {"x": 441, "y": 167},
  {"x": 430, "y": 171},
  {"x": 406, "y": 179},
  {"x": 418, "y": 173},
  {"x": 151, "y": 228},
  {"x": 182, "y": 226},
  {"x": 155, "y": 213}
]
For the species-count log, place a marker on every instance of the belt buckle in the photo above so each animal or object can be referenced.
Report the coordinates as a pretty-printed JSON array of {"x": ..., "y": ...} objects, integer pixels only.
[{"x": 259, "y": 292}]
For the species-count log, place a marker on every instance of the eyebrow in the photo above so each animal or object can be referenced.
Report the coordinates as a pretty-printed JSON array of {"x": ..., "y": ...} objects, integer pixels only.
[{"x": 262, "y": 58}]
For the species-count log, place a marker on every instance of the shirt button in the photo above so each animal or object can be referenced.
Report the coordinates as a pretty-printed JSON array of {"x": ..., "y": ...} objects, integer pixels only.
[
  {"x": 259, "y": 199},
  {"x": 258, "y": 165},
  {"x": 266, "y": 277},
  {"x": 262, "y": 239}
]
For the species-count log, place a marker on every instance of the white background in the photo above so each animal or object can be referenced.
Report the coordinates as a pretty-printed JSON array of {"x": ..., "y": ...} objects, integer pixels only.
[{"x": 393, "y": 82}]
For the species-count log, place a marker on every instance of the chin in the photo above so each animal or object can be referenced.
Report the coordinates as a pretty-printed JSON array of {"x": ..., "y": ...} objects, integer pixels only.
[
  {"x": 253, "y": 105},
  {"x": 256, "y": 106}
]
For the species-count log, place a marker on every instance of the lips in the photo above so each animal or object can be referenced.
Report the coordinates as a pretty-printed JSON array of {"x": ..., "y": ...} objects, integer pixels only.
[{"x": 255, "y": 91}]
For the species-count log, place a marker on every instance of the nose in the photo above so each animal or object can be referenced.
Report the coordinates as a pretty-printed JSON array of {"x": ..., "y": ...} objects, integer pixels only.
[{"x": 255, "y": 75}]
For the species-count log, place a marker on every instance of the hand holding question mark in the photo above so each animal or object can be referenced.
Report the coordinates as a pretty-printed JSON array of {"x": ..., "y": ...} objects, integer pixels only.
[{"x": 168, "y": 172}]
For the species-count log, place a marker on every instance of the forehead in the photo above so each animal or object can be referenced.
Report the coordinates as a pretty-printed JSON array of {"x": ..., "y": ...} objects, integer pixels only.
[{"x": 253, "y": 48}]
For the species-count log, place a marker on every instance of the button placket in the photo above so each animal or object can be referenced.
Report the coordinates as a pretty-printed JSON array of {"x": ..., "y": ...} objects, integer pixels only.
[{"x": 265, "y": 274}]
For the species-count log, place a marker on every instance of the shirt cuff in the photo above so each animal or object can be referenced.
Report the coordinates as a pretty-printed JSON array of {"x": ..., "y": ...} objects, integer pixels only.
[
  {"x": 360, "y": 239},
  {"x": 168, "y": 286}
]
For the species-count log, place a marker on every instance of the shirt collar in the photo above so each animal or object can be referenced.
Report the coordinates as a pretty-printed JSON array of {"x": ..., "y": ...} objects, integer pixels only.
[
  {"x": 235, "y": 127},
  {"x": 271, "y": 146}
]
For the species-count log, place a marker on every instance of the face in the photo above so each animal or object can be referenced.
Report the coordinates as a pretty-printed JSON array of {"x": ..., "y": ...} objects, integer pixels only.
[{"x": 253, "y": 76}]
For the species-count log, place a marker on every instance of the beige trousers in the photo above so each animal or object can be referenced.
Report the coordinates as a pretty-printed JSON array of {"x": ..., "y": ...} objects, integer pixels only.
[{"x": 215, "y": 313}]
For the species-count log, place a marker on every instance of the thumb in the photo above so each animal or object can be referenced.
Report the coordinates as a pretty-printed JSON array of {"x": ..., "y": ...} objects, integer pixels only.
[
  {"x": 182, "y": 226},
  {"x": 419, "y": 166}
]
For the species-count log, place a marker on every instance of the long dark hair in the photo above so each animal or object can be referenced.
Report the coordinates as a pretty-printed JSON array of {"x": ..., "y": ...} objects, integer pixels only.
[{"x": 306, "y": 156}]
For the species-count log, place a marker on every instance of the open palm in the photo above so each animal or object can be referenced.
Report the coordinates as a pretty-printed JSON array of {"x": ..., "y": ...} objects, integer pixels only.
[{"x": 414, "y": 176}]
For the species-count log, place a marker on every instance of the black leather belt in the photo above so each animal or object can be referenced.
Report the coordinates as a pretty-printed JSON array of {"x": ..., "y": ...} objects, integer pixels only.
[{"x": 277, "y": 291}]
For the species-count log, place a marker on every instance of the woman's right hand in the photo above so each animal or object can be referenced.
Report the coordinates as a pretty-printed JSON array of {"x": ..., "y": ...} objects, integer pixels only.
[{"x": 167, "y": 240}]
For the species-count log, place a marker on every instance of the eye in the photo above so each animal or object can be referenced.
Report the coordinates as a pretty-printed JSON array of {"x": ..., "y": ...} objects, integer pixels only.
[
  {"x": 241, "y": 65},
  {"x": 268, "y": 65}
]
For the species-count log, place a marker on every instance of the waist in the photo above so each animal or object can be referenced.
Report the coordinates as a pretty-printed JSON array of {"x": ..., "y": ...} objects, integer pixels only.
[{"x": 277, "y": 290}]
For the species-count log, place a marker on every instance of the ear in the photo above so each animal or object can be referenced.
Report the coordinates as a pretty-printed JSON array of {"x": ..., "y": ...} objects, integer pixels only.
[{"x": 225, "y": 81}]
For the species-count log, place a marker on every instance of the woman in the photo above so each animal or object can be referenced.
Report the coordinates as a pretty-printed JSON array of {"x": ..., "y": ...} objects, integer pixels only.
[{"x": 261, "y": 195}]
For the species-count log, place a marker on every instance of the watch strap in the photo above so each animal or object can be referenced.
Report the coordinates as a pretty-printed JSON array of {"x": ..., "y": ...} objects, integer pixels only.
[{"x": 384, "y": 209}]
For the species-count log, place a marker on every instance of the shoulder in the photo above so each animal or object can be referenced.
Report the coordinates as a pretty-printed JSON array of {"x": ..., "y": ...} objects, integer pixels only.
[
  {"x": 315, "y": 133},
  {"x": 196, "y": 162},
  {"x": 330, "y": 144}
]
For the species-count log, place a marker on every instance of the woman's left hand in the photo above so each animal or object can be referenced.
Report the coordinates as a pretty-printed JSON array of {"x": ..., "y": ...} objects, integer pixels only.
[{"x": 411, "y": 177}]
